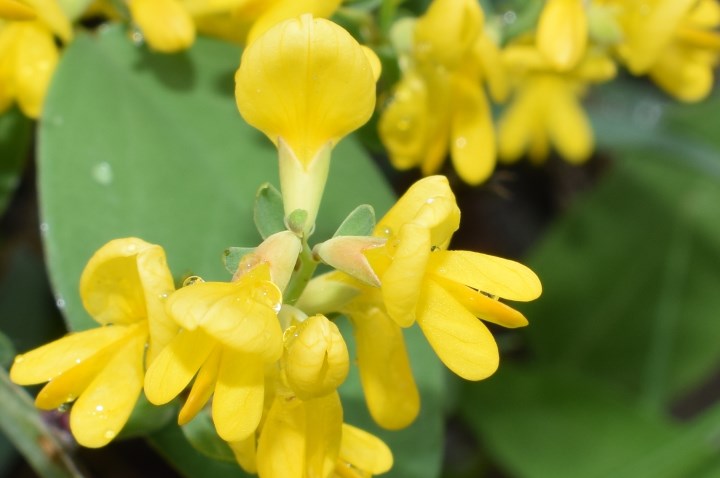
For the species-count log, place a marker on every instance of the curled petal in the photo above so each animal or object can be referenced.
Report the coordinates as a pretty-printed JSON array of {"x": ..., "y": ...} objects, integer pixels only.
[
  {"x": 387, "y": 380},
  {"x": 104, "y": 407},
  {"x": 401, "y": 281},
  {"x": 202, "y": 388},
  {"x": 494, "y": 275},
  {"x": 176, "y": 365},
  {"x": 462, "y": 342},
  {"x": 239, "y": 393},
  {"x": 364, "y": 451},
  {"x": 307, "y": 81},
  {"x": 410, "y": 204}
]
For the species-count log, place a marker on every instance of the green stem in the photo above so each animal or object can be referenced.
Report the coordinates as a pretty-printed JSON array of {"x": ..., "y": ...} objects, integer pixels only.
[
  {"x": 22, "y": 424},
  {"x": 302, "y": 275}
]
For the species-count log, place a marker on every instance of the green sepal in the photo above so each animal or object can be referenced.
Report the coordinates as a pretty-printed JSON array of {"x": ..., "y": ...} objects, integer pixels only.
[
  {"x": 269, "y": 214},
  {"x": 201, "y": 434},
  {"x": 360, "y": 222},
  {"x": 147, "y": 418},
  {"x": 233, "y": 255},
  {"x": 296, "y": 221}
]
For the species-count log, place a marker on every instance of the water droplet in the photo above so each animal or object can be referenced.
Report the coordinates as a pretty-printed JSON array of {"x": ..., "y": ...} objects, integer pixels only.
[
  {"x": 131, "y": 248},
  {"x": 57, "y": 120},
  {"x": 386, "y": 231},
  {"x": 137, "y": 38},
  {"x": 78, "y": 360},
  {"x": 60, "y": 302},
  {"x": 192, "y": 280},
  {"x": 19, "y": 359},
  {"x": 429, "y": 200},
  {"x": 99, "y": 408},
  {"x": 403, "y": 124},
  {"x": 509, "y": 17},
  {"x": 103, "y": 173},
  {"x": 460, "y": 142},
  {"x": 164, "y": 296},
  {"x": 44, "y": 227},
  {"x": 64, "y": 407},
  {"x": 109, "y": 434}
]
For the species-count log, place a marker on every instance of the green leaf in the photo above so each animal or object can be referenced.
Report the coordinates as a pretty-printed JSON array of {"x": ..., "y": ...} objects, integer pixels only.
[
  {"x": 157, "y": 150},
  {"x": 269, "y": 214},
  {"x": 201, "y": 434},
  {"x": 548, "y": 423},
  {"x": 360, "y": 222},
  {"x": 628, "y": 272},
  {"x": 15, "y": 136},
  {"x": 233, "y": 256},
  {"x": 7, "y": 351},
  {"x": 22, "y": 424}
]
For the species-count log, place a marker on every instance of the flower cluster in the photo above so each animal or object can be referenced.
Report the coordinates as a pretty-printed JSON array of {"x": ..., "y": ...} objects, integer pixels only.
[
  {"x": 448, "y": 54},
  {"x": 260, "y": 352}
]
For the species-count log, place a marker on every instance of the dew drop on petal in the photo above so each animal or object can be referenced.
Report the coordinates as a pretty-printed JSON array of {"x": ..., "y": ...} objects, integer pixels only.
[
  {"x": 60, "y": 302},
  {"x": 192, "y": 280},
  {"x": 509, "y": 17},
  {"x": 109, "y": 434},
  {"x": 460, "y": 142},
  {"x": 44, "y": 228}
]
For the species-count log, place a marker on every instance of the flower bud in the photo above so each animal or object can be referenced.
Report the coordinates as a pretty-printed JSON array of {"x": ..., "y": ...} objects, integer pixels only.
[{"x": 316, "y": 359}]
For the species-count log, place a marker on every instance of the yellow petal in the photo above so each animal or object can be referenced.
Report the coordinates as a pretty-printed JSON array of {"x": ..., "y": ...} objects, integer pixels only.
[
  {"x": 166, "y": 24},
  {"x": 401, "y": 281},
  {"x": 316, "y": 358},
  {"x": 70, "y": 384},
  {"x": 8, "y": 62},
  {"x": 487, "y": 54},
  {"x": 308, "y": 81},
  {"x": 37, "y": 57},
  {"x": 104, "y": 407},
  {"x": 281, "y": 447},
  {"x": 175, "y": 366},
  {"x": 364, "y": 451},
  {"x": 203, "y": 387},
  {"x": 472, "y": 142},
  {"x": 285, "y": 9},
  {"x": 649, "y": 29},
  {"x": 482, "y": 306},
  {"x": 323, "y": 421},
  {"x": 461, "y": 341},
  {"x": 245, "y": 452},
  {"x": 447, "y": 31},
  {"x": 410, "y": 204},
  {"x": 239, "y": 393},
  {"x": 374, "y": 61},
  {"x": 568, "y": 126},
  {"x": 12, "y": 10},
  {"x": 240, "y": 315},
  {"x": 515, "y": 126},
  {"x": 48, "y": 361},
  {"x": 387, "y": 380},
  {"x": 678, "y": 75},
  {"x": 494, "y": 275},
  {"x": 112, "y": 286},
  {"x": 52, "y": 15},
  {"x": 404, "y": 122},
  {"x": 562, "y": 32}
]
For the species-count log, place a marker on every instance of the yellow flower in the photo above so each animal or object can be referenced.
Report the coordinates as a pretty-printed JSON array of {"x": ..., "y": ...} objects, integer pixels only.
[
  {"x": 166, "y": 24},
  {"x": 123, "y": 287},
  {"x": 562, "y": 32},
  {"x": 439, "y": 103},
  {"x": 305, "y": 83},
  {"x": 28, "y": 53},
  {"x": 673, "y": 41},
  {"x": 361, "y": 454},
  {"x": 546, "y": 107},
  {"x": 230, "y": 332},
  {"x": 300, "y": 437},
  {"x": 316, "y": 360},
  {"x": 444, "y": 291}
]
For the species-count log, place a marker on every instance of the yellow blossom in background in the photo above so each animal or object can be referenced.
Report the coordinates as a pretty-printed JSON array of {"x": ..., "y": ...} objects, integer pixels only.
[
  {"x": 28, "y": 52},
  {"x": 166, "y": 24},
  {"x": 306, "y": 83},
  {"x": 545, "y": 110},
  {"x": 439, "y": 104},
  {"x": 675, "y": 42},
  {"x": 562, "y": 32},
  {"x": 230, "y": 332},
  {"x": 123, "y": 287}
]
